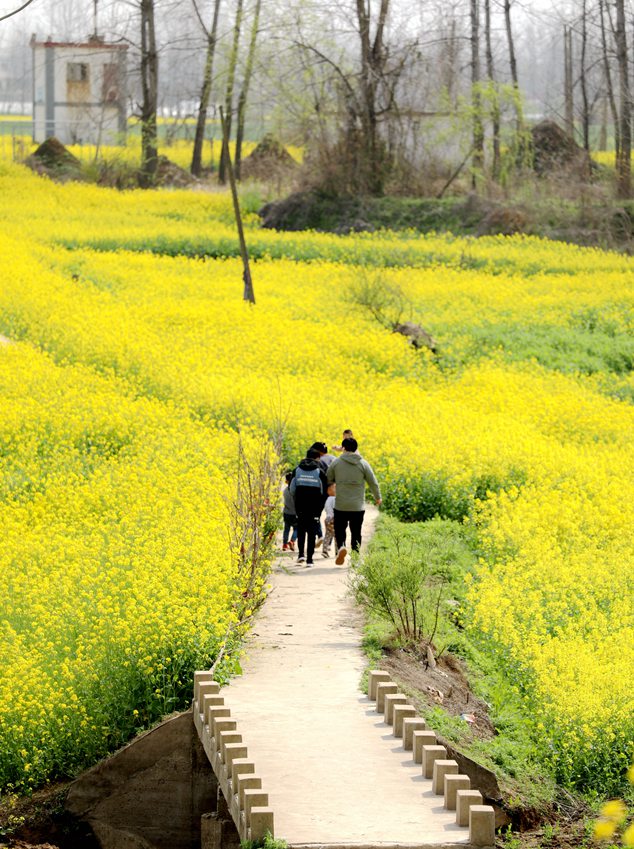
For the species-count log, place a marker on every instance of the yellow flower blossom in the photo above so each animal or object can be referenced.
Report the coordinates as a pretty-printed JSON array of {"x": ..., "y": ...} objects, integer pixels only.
[{"x": 134, "y": 362}]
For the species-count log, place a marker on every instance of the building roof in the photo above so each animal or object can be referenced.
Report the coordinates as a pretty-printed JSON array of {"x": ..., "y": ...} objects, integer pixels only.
[{"x": 93, "y": 43}]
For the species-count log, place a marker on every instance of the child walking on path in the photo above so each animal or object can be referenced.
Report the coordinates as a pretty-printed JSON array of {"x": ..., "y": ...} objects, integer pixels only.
[
  {"x": 290, "y": 516},
  {"x": 329, "y": 508}
]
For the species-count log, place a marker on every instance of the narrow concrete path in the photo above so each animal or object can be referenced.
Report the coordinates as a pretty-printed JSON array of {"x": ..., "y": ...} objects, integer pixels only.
[{"x": 333, "y": 770}]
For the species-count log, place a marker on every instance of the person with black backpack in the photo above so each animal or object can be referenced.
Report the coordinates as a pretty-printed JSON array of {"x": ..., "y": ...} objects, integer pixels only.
[{"x": 309, "y": 488}]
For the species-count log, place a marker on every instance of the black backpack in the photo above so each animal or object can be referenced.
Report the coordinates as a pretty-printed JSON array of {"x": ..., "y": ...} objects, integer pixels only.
[{"x": 308, "y": 480}]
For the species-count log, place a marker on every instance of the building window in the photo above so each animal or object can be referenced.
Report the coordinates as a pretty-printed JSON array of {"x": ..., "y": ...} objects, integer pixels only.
[
  {"x": 110, "y": 87},
  {"x": 77, "y": 72}
]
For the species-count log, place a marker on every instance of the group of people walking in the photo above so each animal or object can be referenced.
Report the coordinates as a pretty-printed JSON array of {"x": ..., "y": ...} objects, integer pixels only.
[{"x": 323, "y": 482}]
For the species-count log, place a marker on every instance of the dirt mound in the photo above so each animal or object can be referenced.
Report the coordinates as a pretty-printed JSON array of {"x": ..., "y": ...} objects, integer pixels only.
[
  {"x": 170, "y": 174},
  {"x": 554, "y": 150},
  {"x": 488, "y": 218},
  {"x": 269, "y": 159},
  {"x": 504, "y": 221},
  {"x": 53, "y": 160},
  {"x": 309, "y": 210}
]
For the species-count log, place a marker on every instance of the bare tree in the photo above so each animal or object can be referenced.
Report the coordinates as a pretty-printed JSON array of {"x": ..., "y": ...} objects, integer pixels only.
[
  {"x": 514, "y": 75},
  {"x": 568, "y": 83},
  {"x": 623, "y": 163},
  {"x": 205, "y": 92},
  {"x": 16, "y": 11},
  {"x": 231, "y": 75},
  {"x": 476, "y": 99},
  {"x": 495, "y": 109},
  {"x": 583, "y": 77},
  {"x": 149, "y": 88},
  {"x": 373, "y": 61},
  {"x": 608, "y": 78},
  {"x": 248, "y": 292},
  {"x": 244, "y": 91}
]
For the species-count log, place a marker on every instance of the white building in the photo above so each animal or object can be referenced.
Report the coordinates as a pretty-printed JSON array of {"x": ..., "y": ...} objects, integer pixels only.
[{"x": 79, "y": 91}]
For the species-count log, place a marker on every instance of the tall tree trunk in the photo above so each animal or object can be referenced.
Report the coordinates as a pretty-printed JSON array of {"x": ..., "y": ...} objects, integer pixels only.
[
  {"x": 231, "y": 76},
  {"x": 205, "y": 92},
  {"x": 452, "y": 63},
  {"x": 519, "y": 125},
  {"x": 248, "y": 293},
  {"x": 624, "y": 165},
  {"x": 608, "y": 80},
  {"x": 603, "y": 131},
  {"x": 569, "y": 109},
  {"x": 149, "y": 86},
  {"x": 511, "y": 43},
  {"x": 371, "y": 167},
  {"x": 476, "y": 100},
  {"x": 495, "y": 108},
  {"x": 585, "y": 115},
  {"x": 244, "y": 92}
]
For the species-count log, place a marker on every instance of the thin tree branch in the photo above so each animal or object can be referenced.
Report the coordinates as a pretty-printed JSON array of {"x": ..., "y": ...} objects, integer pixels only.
[{"x": 16, "y": 11}]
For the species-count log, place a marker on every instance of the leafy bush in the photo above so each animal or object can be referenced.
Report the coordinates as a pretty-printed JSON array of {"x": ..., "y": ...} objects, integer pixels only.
[{"x": 406, "y": 576}]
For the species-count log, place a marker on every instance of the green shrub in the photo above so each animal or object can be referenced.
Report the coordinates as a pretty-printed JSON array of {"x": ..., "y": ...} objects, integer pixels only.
[{"x": 406, "y": 576}]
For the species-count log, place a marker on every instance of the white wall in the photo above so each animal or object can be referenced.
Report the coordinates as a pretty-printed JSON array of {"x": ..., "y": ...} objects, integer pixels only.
[{"x": 74, "y": 110}]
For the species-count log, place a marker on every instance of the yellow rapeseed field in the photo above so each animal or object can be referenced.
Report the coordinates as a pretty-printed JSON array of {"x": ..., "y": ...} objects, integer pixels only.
[{"x": 134, "y": 363}]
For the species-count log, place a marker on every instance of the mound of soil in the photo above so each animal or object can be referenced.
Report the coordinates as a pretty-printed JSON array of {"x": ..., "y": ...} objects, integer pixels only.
[
  {"x": 53, "y": 160},
  {"x": 170, "y": 174},
  {"x": 503, "y": 221},
  {"x": 554, "y": 150},
  {"x": 309, "y": 210},
  {"x": 445, "y": 685},
  {"x": 269, "y": 159}
]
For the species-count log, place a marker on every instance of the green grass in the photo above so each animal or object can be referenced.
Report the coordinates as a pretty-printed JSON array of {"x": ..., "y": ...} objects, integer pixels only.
[{"x": 514, "y": 752}]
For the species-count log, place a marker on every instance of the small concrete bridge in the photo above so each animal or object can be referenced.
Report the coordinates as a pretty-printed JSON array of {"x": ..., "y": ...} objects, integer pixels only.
[{"x": 300, "y": 752}]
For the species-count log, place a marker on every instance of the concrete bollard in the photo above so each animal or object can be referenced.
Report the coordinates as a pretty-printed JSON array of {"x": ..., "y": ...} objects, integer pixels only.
[
  {"x": 207, "y": 688},
  {"x": 389, "y": 703},
  {"x": 441, "y": 769},
  {"x": 422, "y": 738},
  {"x": 200, "y": 676},
  {"x": 402, "y": 712},
  {"x": 254, "y": 799},
  {"x": 375, "y": 677},
  {"x": 431, "y": 754},
  {"x": 409, "y": 727},
  {"x": 453, "y": 783},
  {"x": 246, "y": 782},
  {"x": 482, "y": 826},
  {"x": 208, "y": 703},
  {"x": 240, "y": 766},
  {"x": 223, "y": 739},
  {"x": 382, "y": 690},
  {"x": 233, "y": 751},
  {"x": 464, "y": 800},
  {"x": 223, "y": 723},
  {"x": 213, "y": 712},
  {"x": 261, "y": 822},
  {"x": 210, "y": 700}
]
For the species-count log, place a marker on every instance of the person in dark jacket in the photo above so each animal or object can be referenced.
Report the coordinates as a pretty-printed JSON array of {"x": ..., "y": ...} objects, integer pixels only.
[
  {"x": 324, "y": 459},
  {"x": 309, "y": 490}
]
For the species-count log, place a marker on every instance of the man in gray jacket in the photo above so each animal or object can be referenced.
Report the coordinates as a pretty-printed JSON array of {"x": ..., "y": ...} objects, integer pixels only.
[{"x": 350, "y": 472}]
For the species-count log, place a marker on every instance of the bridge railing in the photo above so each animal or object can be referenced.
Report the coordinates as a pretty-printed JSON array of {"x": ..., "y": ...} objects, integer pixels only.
[
  {"x": 246, "y": 799},
  {"x": 444, "y": 772}
]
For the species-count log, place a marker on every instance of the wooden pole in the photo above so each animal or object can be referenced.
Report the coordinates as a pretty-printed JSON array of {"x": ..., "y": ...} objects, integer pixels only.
[{"x": 249, "y": 294}]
